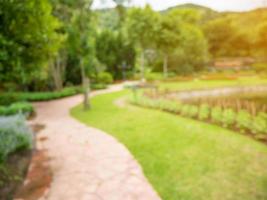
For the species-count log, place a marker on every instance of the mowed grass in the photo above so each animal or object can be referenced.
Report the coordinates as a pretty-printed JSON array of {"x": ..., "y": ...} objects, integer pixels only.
[
  {"x": 182, "y": 158},
  {"x": 208, "y": 84}
]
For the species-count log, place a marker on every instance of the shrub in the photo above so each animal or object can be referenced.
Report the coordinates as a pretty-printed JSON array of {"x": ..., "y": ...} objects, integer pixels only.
[
  {"x": 243, "y": 120},
  {"x": 98, "y": 86},
  {"x": 259, "y": 126},
  {"x": 228, "y": 117},
  {"x": 154, "y": 76},
  {"x": 104, "y": 78},
  {"x": 15, "y": 108},
  {"x": 8, "y": 98},
  {"x": 185, "y": 110},
  {"x": 204, "y": 112},
  {"x": 14, "y": 135},
  {"x": 192, "y": 111},
  {"x": 216, "y": 114}
]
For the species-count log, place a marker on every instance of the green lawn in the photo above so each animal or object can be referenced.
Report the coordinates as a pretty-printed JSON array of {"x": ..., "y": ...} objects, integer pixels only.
[
  {"x": 183, "y": 159},
  {"x": 204, "y": 84}
]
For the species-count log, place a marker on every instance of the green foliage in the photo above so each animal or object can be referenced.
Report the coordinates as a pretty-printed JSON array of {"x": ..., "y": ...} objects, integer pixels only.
[
  {"x": 243, "y": 120},
  {"x": 16, "y": 108},
  {"x": 98, "y": 86},
  {"x": 259, "y": 126},
  {"x": 105, "y": 78},
  {"x": 219, "y": 33},
  {"x": 7, "y": 98},
  {"x": 154, "y": 76},
  {"x": 216, "y": 114},
  {"x": 142, "y": 27},
  {"x": 28, "y": 39},
  {"x": 116, "y": 52},
  {"x": 228, "y": 117},
  {"x": 204, "y": 112},
  {"x": 14, "y": 135},
  {"x": 193, "y": 111},
  {"x": 260, "y": 67},
  {"x": 185, "y": 110}
]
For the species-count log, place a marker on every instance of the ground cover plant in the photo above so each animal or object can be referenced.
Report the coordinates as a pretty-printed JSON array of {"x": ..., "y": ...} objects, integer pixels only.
[
  {"x": 183, "y": 158},
  {"x": 15, "y": 148},
  {"x": 14, "y": 135}
]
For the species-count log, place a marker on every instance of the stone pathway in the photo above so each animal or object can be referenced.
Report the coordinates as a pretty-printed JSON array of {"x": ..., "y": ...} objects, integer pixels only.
[{"x": 87, "y": 164}]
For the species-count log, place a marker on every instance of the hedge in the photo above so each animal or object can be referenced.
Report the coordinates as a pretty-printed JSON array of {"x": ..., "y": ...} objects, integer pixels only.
[{"x": 16, "y": 108}]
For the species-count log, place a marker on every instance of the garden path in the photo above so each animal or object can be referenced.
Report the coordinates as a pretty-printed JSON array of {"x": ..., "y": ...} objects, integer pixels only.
[{"x": 87, "y": 164}]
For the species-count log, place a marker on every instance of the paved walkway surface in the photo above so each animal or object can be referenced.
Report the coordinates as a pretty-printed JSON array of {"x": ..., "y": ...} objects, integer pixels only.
[{"x": 87, "y": 164}]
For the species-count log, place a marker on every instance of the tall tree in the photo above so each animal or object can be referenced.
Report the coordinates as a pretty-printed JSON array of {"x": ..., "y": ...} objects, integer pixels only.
[
  {"x": 142, "y": 29},
  {"x": 167, "y": 38},
  {"x": 82, "y": 43}
]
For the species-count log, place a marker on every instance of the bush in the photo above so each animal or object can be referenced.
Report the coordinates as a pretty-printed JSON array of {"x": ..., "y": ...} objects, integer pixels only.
[
  {"x": 243, "y": 120},
  {"x": 154, "y": 76},
  {"x": 260, "y": 67},
  {"x": 15, "y": 108},
  {"x": 259, "y": 126},
  {"x": 216, "y": 114},
  {"x": 185, "y": 110},
  {"x": 204, "y": 112},
  {"x": 228, "y": 117},
  {"x": 98, "y": 86},
  {"x": 104, "y": 78},
  {"x": 193, "y": 111},
  {"x": 14, "y": 135}
]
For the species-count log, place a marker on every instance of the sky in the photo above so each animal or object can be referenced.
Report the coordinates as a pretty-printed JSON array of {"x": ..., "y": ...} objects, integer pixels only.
[{"x": 219, "y": 5}]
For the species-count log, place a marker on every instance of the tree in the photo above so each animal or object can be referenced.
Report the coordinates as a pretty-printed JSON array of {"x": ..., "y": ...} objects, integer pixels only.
[
  {"x": 82, "y": 44},
  {"x": 28, "y": 39},
  {"x": 115, "y": 52},
  {"x": 141, "y": 26},
  {"x": 192, "y": 53},
  {"x": 262, "y": 39},
  {"x": 219, "y": 33},
  {"x": 168, "y": 38}
]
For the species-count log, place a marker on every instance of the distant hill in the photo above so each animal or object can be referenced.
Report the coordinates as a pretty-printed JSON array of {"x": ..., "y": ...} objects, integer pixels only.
[
  {"x": 247, "y": 21},
  {"x": 190, "y": 6},
  {"x": 206, "y": 13}
]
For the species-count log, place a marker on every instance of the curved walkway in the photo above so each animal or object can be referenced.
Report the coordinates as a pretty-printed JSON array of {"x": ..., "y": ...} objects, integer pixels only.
[{"x": 87, "y": 164}]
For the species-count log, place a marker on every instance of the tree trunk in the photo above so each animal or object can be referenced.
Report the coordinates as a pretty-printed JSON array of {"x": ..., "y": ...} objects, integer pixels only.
[
  {"x": 86, "y": 87},
  {"x": 58, "y": 71},
  {"x": 143, "y": 67},
  {"x": 165, "y": 66}
]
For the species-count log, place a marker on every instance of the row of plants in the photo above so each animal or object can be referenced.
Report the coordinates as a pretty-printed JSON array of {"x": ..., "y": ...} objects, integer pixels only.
[
  {"x": 241, "y": 121},
  {"x": 11, "y": 97},
  {"x": 251, "y": 103},
  {"x": 15, "y": 153},
  {"x": 24, "y": 108}
]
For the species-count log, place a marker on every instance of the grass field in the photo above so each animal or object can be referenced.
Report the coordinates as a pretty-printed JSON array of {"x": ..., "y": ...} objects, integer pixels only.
[
  {"x": 205, "y": 84},
  {"x": 183, "y": 159}
]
